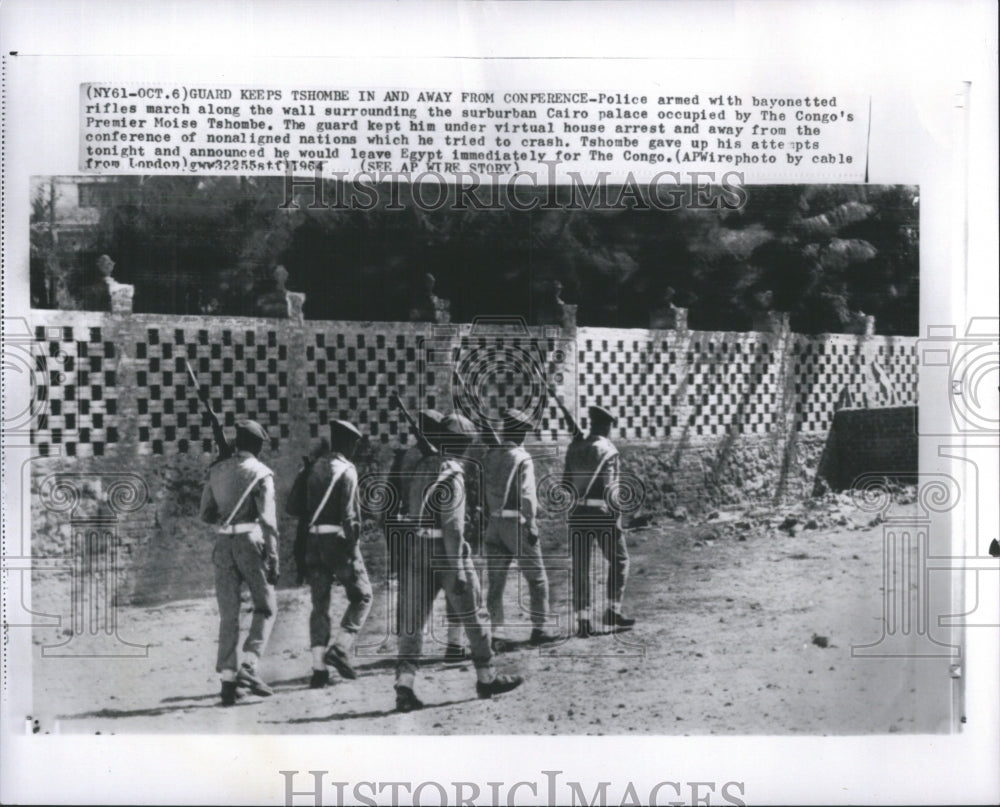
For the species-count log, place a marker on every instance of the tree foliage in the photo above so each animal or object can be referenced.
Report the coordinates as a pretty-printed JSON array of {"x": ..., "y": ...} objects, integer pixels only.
[{"x": 210, "y": 245}]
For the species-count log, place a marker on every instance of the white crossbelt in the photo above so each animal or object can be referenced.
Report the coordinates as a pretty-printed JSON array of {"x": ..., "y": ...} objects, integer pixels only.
[
  {"x": 323, "y": 529},
  {"x": 507, "y": 512},
  {"x": 587, "y": 500},
  {"x": 227, "y": 527},
  {"x": 239, "y": 529},
  {"x": 432, "y": 532},
  {"x": 326, "y": 529}
]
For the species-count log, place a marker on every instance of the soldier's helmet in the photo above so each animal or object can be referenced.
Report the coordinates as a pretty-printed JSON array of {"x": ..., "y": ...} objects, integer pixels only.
[
  {"x": 429, "y": 421},
  {"x": 458, "y": 431},
  {"x": 250, "y": 436},
  {"x": 344, "y": 436},
  {"x": 342, "y": 428},
  {"x": 514, "y": 420},
  {"x": 601, "y": 418}
]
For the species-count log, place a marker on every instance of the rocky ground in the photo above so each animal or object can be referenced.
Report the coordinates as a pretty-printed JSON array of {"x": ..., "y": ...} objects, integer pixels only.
[{"x": 746, "y": 622}]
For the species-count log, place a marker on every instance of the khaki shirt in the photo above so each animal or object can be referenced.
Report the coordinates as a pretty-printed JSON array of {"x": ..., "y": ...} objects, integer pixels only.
[
  {"x": 509, "y": 482},
  {"x": 421, "y": 471},
  {"x": 227, "y": 480},
  {"x": 591, "y": 468},
  {"x": 342, "y": 508},
  {"x": 443, "y": 504}
]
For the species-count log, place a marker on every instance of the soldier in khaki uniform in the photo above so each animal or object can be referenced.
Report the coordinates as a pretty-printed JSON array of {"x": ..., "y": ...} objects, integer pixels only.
[
  {"x": 333, "y": 552},
  {"x": 239, "y": 499},
  {"x": 444, "y": 562},
  {"x": 420, "y": 467},
  {"x": 592, "y": 469},
  {"x": 512, "y": 530}
]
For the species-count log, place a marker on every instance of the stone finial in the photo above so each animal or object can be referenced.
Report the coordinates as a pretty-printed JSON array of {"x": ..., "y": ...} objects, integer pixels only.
[
  {"x": 429, "y": 307},
  {"x": 553, "y": 310},
  {"x": 667, "y": 316},
  {"x": 860, "y": 324},
  {"x": 105, "y": 266},
  {"x": 280, "y": 276},
  {"x": 280, "y": 303},
  {"x": 120, "y": 294}
]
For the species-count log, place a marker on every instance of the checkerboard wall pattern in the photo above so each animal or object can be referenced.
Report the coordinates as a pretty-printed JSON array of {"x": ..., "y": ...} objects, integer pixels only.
[
  {"x": 352, "y": 372},
  {"x": 664, "y": 384},
  {"x": 76, "y": 390},
  {"x": 351, "y": 375},
  {"x": 512, "y": 372},
  {"x": 114, "y": 382},
  {"x": 245, "y": 370},
  {"x": 844, "y": 372}
]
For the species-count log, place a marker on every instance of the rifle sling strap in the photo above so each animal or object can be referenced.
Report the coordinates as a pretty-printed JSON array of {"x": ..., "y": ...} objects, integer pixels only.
[{"x": 254, "y": 482}]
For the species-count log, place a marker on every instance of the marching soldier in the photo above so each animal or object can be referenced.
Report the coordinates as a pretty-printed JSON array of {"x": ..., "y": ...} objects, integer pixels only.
[
  {"x": 333, "y": 520},
  {"x": 239, "y": 498},
  {"x": 592, "y": 469},
  {"x": 512, "y": 530},
  {"x": 444, "y": 562},
  {"x": 420, "y": 466},
  {"x": 298, "y": 503}
]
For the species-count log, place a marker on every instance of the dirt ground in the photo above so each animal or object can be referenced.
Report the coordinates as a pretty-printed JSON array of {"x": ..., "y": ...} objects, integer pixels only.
[{"x": 745, "y": 627}]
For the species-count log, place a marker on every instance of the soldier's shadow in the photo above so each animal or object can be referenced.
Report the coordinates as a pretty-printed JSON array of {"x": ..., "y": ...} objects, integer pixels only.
[
  {"x": 157, "y": 711},
  {"x": 369, "y": 714}
]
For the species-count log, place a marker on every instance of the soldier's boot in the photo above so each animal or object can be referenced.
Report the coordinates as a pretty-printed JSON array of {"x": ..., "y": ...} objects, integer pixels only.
[
  {"x": 456, "y": 654},
  {"x": 585, "y": 630},
  {"x": 539, "y": 637},
  {"x": 406, "y": 700},
  {"x": 499, "y": 685},
  {"x": 320, "y": 678},
  {"x": 615, "y": 621},
  {"x": 230, "y": 693},
  {"x": 337, "y": 659},
  {"x": 247, "y": 678}
]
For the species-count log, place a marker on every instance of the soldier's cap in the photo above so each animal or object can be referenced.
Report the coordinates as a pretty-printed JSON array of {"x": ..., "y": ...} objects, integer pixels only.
[
  {"x": 598, "y": 414},
  {"x": 345, "y": 428},
  {"x": 458, "y": 425},
  {"x": 516, "y": 419},
  {"x": 429, "y": 419},
  {"x": 253, "y": 428}
]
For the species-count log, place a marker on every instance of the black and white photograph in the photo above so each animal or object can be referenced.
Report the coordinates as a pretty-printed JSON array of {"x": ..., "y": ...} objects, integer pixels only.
[
  {"x": 499, "y": 403},
  {"x": 272, "y": 433}
]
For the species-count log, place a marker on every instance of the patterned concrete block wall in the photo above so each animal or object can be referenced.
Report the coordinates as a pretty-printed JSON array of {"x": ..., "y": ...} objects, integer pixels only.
[
  {"x": 117, "y": 384},
  {"x": 705, "y": 419},
  {"x": 352, "y": 369},
  {"x": 700, "y": 384}
]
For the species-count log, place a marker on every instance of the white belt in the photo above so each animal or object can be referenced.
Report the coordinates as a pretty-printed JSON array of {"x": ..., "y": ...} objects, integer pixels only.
[
  {"x": 594, "y": 503},
  {"x": 326, "y": 529},
  {"x": 239, "y": 529},
  {"x": 432, "y": 533},
  {"x": 510, "y": 513}
]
